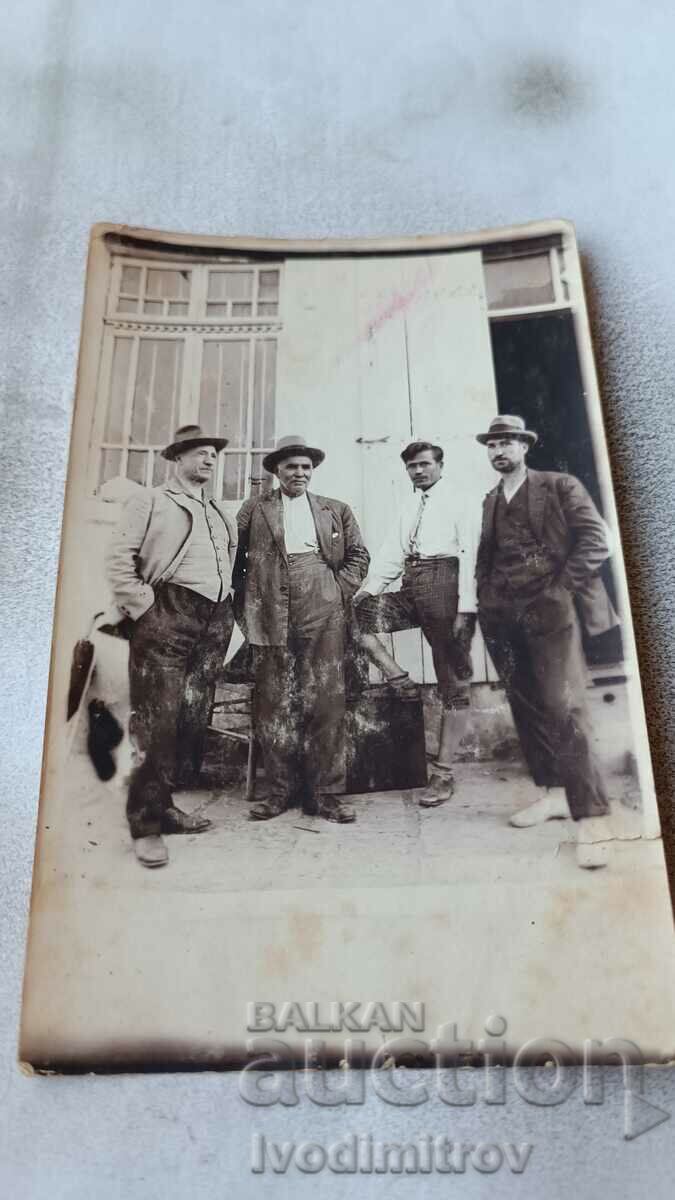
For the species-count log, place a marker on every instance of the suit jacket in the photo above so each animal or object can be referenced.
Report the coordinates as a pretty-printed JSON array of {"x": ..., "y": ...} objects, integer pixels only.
[
  {"x": 564, "y": 518},
  {"x": 148, "y": 544},
  {"x": 260, "y": 576}
]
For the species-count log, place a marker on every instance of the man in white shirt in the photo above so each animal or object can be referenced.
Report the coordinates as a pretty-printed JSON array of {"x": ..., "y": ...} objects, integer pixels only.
[
  {"x": 300, "y": 560},
  {"x": 433, "y": 546}
]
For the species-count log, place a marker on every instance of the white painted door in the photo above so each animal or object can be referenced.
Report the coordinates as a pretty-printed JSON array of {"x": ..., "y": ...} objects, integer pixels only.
[{"x": 377, "y": 351}]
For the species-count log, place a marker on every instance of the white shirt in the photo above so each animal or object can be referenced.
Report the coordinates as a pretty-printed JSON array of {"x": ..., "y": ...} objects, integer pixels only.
[
  {"x": 445, "y": 529},
  {"x": 299, "y": 528},
  {"x": 510, "y": 492}
]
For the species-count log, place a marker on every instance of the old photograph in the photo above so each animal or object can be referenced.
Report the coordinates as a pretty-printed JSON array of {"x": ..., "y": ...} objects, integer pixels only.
[{"x": 344, "y": 685}]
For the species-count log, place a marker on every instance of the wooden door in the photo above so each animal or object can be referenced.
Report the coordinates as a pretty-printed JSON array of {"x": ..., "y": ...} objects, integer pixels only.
[{"x": 375, "y": 352}]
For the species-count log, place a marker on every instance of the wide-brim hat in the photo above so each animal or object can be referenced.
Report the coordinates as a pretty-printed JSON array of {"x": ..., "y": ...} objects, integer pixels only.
[
  {"x": 507, "y": 426},
  {"x": 293, "y": 444},
  {"x": 189, "y": 436}
]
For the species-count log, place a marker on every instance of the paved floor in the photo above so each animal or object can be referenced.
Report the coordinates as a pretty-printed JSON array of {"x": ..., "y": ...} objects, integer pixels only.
[
  {"x": 392, "y": 843},
  {"x": 450, "y": 905}
]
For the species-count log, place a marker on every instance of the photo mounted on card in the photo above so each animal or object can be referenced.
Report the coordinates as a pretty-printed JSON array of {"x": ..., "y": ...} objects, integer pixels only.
[{"x": 345, "y": 734}]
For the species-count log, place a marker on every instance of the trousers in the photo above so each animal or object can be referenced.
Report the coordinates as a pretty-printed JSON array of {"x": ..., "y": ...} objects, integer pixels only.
[
  {"x": 176, "y": 650},
  {"x": 537, "y": 651},
  {"x": 427, "y": 601},
  {"x": 299, "y": 700}
]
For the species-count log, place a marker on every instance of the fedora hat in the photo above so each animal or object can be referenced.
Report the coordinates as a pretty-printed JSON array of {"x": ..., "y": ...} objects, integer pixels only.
[
  {"x": 293, "y": 444},
  {"x": 189, "y": 436},
  {"x": 507, "y": 426}
]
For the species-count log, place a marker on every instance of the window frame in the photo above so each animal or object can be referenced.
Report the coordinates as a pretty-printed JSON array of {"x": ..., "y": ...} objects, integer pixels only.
[{"x": 194, "y": 330}]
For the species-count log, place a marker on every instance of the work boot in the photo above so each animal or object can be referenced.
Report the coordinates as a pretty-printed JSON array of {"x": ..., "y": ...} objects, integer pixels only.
[
  {"x": 551, "y": 806},
  {"x": 402, "y": 685},
  {"x": 263, "y": 810},
  {"x": 439, "y": 789},
  {"x": 332, "y": 808},
  {"x": 151, "y": 851},
  {"x": 593, "y": 836},
  {"x": 396, "y": 685},
  {"x": 441, "y": 784},
  {"x": 174, "y": 820}
]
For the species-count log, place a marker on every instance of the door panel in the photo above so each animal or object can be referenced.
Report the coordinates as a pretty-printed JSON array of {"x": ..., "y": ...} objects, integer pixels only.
[{"x": 373, "y": 353}]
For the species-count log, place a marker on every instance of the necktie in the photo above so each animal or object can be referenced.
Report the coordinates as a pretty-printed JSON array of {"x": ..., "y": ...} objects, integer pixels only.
[{"x": 414, "y": 534}]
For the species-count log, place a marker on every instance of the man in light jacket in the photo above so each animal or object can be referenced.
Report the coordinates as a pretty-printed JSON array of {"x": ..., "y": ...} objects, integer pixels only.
[{"x": 170, "y": 569}]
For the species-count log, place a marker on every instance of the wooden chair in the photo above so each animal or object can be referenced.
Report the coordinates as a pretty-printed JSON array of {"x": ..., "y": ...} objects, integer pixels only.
[{"x": 231, "y": 718}]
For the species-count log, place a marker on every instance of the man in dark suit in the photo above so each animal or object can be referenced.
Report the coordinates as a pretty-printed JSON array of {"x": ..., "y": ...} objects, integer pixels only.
[
  {"x": 300, "y": 560},
  {"x": 541, "y": 548}
]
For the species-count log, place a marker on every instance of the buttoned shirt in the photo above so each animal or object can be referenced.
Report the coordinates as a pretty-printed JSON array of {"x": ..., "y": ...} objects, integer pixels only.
[
  {"x": 437, "y": 527},
  {"x": 205, "y": 565},
  {"x": 508, "y": 495},
  {"x": 522, "y": 566},
  {"x": 299, "y": 528}
]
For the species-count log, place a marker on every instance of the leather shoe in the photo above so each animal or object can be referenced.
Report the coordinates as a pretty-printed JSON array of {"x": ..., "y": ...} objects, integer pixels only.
[
  {"x": 274, "y": 806},
  {"x": 151, "y": 851},
  {"x": 332, "y": 808},
  {"x": 439, "y": 789},
  {"x": 402, "y": 685},
  {"x": 175, "y": 820}
]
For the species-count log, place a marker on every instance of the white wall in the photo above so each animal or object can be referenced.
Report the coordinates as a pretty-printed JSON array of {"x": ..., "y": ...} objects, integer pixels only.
[{"x": 375, "y": 352}]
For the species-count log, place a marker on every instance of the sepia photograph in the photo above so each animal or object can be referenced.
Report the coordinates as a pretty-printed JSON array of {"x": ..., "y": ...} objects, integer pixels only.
[{"x": 344, "y": 696}]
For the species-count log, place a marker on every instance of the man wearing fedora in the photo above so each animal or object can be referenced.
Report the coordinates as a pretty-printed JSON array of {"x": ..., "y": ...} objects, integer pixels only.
[
  {"x": 432, "y": 546},
  {"x": 170, "y": 568},
  {"x": 542, "y": 545},
  {"x": 300, "y": 560}
]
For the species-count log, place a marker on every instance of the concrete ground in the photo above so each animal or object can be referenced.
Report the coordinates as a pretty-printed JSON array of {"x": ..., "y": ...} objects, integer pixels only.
[
  {"x": 392, "y": 843},
  {"x": 451, "y": 906}
]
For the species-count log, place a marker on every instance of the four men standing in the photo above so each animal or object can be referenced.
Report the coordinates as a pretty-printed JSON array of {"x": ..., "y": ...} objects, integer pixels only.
[{"x": 300, "y": 564}]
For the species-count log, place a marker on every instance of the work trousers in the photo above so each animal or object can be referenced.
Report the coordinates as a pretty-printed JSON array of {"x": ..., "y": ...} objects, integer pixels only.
[
  {"x": 537, "y": 652},
  {"x": 427, "y": 601},
  {"x": 176, "y": 650},
  {"x": 299, "y": 704}
]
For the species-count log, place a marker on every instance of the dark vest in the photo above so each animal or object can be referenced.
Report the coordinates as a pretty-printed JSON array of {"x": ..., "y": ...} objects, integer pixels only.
[{"x": 521, "y": 565}]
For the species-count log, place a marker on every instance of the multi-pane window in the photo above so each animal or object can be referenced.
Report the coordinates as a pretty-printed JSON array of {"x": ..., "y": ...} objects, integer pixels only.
[
  {"x": 517, "y": 281},
  {"x": 182, "y": 344},
  {"x": 154, "y": 291},
  {"x": 234, "y": 294},
  {"x": 143, "y": 395}
]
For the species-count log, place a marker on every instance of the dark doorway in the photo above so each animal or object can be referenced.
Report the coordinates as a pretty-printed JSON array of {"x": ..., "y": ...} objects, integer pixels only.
[{"x": 538, "y": 376}]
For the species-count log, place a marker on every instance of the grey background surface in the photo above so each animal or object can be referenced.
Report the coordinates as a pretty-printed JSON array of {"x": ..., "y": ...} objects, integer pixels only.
[{"x": 309, "y": 118}]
